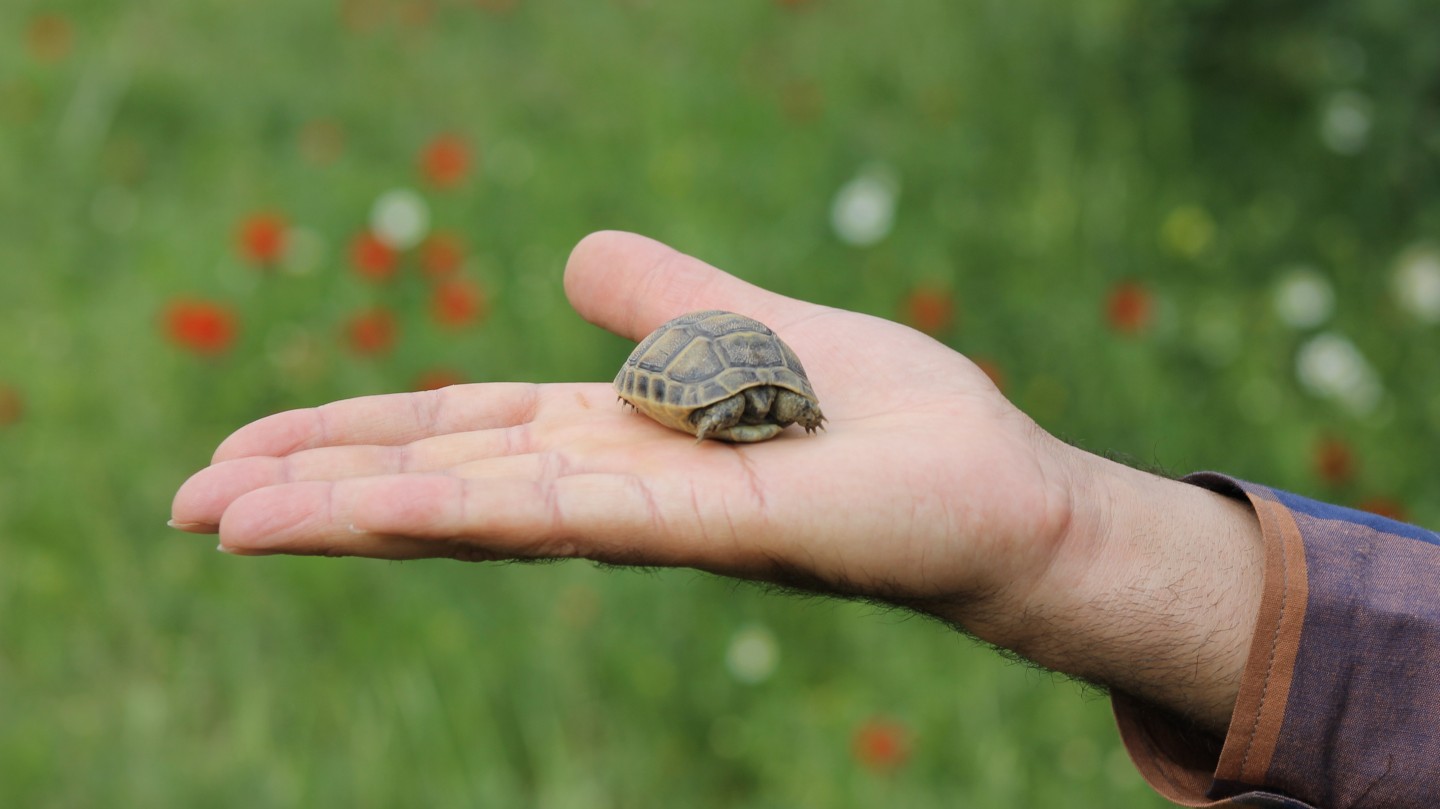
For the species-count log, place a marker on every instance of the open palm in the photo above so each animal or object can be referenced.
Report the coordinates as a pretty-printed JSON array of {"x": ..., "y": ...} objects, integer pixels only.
[{"x": 927, "y": 486}]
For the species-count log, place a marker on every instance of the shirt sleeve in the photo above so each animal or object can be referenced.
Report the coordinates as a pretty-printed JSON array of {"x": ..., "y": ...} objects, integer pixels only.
[{"x": 1339, "y": 704}]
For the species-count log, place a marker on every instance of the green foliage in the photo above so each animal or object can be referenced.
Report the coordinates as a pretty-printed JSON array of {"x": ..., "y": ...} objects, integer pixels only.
[{"x": 1045, "y": 156}]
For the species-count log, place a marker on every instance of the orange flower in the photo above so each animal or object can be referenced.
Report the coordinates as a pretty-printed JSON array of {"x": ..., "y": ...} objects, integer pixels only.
[
  {"x": 437, "y": 378},
  {"x": 441, "y": 254},
  {"x": 930, "y": 309},
  {"x": 881, "y": 744},
  {"x": 49, "y": 37},
  {"x": 261, "y": 238},
  {"x": 1334, "y": 461},
  {"x": 457, "y": 302},
  {"x": 373, "y": 259},
  {"x": 200, "y": 326},
  {"x": 372, "y": 331},
  {"x": 445, "y": 161},
  {"x": 12, "y": 407},
  {"x": 1129, "y": 307}
]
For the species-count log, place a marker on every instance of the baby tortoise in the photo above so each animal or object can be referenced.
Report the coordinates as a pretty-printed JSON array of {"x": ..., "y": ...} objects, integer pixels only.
[{"x": 719, "y": 375}]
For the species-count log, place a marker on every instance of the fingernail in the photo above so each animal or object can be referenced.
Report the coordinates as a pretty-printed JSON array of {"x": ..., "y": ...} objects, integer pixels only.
[
  {"x": 191, "y": 527},
  {"x": 243, "y": 551}
]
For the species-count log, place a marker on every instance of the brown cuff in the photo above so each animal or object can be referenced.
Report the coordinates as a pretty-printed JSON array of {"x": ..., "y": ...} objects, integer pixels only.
[{"x": 1189, "y": 768}]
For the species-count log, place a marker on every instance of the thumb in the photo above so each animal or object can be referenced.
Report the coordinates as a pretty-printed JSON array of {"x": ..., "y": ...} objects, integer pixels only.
[{"x": 628, "y": 284}]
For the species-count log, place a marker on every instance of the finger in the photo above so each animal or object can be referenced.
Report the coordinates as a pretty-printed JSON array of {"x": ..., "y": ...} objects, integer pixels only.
[
  {"x": 629, "y": 285},
  {"x": 609, "y": 517},
  {"x": 389, "y": 419},
  {"x": 203, "y": 498}
]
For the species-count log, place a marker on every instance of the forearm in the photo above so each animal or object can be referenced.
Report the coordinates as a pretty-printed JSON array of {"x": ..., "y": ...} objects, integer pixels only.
[{"x": 1154, "y": 592}]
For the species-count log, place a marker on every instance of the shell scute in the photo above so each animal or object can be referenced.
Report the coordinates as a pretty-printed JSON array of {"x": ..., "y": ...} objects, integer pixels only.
[
  {"x": 662, "y": 349},
  {"x": 703, "y": 358},
  {"x": 750, "y": 350},
  {"x": 719, "y": 324},
  {"x": 696, "y": 363}
]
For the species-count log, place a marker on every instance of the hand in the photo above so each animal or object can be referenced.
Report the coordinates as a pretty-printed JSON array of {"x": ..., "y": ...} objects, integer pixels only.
[
  {"x": 928, "y": 489},
  {"x": 927, "y": 484}
]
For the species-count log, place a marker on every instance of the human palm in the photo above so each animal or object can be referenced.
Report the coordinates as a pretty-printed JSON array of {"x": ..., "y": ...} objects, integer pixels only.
[{"x": 928, "y": 487}]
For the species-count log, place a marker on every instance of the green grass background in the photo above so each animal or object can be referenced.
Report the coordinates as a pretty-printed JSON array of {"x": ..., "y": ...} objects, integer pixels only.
[{"x": 1045, "y": 153}]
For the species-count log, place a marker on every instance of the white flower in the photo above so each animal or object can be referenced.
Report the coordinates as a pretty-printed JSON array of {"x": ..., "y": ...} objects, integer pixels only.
[
  {"x": 864, "y": 208},
  {"x": 752, "y": 655},
  {"x": 400, "y": 218},
  {"x": 1331, "y": 367},
  {"x": 1345, "y": 122},
  {"x": 1304, "y": 298},
  {"x": 1416, "y": 283}
]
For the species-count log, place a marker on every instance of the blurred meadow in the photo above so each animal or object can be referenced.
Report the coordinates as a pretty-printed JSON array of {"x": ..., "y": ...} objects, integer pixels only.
[{"x": 1201, "y": 234}]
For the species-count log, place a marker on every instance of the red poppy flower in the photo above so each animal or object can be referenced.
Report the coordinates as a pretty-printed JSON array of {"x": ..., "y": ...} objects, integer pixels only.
[
  {"x": 930, "y": 309},
  {"x": 457, "y": 302},
  {"x": 437, "y": 378},
  {"x": 1334, "y": 461},
  {"x": 1129, "y": 307},
  {"x": 372, "y": 331},
  {"x": 445, "y": 161},
  {"x": 373, "y": 259},
  {"x": 12, "y": 407},
  {"x": 881, "y": 744},
  {"x": 49, "y": 37},
  {"x": 441, "y": 255},
  {"x": 200, "y": 326},
  {"x": 261, "y": 239},
  {"x": 1384, "y": 506}
]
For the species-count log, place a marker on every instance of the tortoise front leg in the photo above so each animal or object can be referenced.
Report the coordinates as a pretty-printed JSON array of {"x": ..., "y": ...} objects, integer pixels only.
[
  {"x": 718, "y": 417},
  {"x": 792, "y": 408},
  {"x": 758, "y": 401}
]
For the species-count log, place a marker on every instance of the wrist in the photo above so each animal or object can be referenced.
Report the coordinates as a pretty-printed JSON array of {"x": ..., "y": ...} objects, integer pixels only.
[{"x": 1153, "y": 590}]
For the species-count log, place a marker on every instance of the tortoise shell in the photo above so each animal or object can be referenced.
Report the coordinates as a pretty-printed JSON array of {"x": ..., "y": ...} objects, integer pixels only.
[{"x": 702, "y": 358}]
